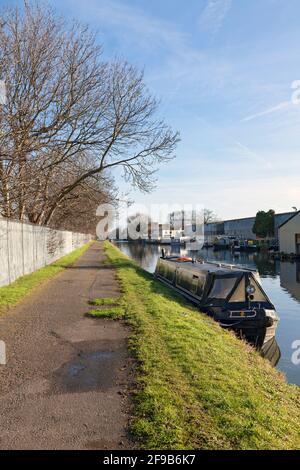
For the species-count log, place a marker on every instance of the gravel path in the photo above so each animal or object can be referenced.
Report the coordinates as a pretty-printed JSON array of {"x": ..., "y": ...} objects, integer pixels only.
[{"x": 66, "y": 379}]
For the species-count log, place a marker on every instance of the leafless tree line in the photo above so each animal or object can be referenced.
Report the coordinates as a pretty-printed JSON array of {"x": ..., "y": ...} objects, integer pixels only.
[{"x": 70, "y": 118}]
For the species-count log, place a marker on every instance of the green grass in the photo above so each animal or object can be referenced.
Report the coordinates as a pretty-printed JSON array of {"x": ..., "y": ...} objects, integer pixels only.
[
  {"x": 114, "y": 313},
  {"x": 198, "y": 386},
  {"x": 105, "y": 301},
  {"x": 11, "y": 295}
]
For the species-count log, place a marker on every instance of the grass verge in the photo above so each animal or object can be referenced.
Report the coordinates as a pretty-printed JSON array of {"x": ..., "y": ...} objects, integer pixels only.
[
  {"x": 105, "y": 301},
  {"x": 112, "y": 308},
  {"x": 11, "y": 295},
  {"x": 113, "y": 313},
  {"x": 198, "y": 386}
]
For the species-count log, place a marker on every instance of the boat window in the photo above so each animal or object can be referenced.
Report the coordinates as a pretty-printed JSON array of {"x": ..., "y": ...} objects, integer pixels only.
[
  {"x": 239, "y": 293},
  {"x": 222, "y": 287},
  {"x": 184, "y": 279},
  {"x": 191, "y": 281},
  {"x": 201, "y": 284}
]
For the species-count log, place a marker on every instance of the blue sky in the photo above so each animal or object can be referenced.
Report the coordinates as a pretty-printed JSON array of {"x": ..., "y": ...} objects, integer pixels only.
[{"x": 223, "y": 70}]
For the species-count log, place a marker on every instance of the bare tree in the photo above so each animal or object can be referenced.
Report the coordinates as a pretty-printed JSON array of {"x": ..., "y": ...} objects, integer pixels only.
[
  {"x": 210, "y": 216},
  {"x": 77, "y": 212},
  {"x": 69, "y": 117}
]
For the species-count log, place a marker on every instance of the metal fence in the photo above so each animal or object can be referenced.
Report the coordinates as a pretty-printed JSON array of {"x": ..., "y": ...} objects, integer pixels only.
[{"x": 24, "y": 248}]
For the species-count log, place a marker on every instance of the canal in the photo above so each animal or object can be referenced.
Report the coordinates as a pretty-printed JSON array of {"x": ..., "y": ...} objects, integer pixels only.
[{"x": 281, "y": 281}]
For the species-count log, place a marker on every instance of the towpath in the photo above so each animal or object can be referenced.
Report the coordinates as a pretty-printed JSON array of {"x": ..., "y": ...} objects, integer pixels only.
[{"x": 66, "y": 379}]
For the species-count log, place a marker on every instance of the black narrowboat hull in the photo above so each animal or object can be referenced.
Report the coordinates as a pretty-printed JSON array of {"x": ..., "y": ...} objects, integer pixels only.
[
  {"x": 256, "y": 331},
  {"x": 254, "y": 320}
]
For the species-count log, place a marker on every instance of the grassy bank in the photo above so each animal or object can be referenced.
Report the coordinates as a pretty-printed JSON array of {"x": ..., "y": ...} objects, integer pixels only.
[
  {"x": 198, "y": 386},
  {"x": 18, "y": 290}
]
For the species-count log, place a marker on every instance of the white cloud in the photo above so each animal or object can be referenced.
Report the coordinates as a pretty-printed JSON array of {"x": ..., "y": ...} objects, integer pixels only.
[
  {"x": 279, "y": 107},
  {"x": 125, "y": 17},
  {"x": 181, "y": 66},
  {"x": 214, "y": 14}
]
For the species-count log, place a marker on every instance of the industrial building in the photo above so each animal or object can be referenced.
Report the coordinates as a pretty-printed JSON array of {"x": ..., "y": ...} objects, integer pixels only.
[{"x": 242, "y": 228}]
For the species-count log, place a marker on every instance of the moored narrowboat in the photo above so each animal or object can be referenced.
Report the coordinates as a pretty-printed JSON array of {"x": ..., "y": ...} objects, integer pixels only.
[
  {"x": 221, "y": 243},
  {"x": 245, "y": 245},
  {"x": 232, "y": 295}
]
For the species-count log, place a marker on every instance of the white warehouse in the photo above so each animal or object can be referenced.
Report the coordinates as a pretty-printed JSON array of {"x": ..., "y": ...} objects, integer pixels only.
[{"x": 289, "y": 235}]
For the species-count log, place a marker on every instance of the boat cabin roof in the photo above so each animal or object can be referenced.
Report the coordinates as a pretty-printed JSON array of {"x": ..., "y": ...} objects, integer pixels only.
[
  {"x": 209, "y": 266},
  {"x": 211, "y": 282}
]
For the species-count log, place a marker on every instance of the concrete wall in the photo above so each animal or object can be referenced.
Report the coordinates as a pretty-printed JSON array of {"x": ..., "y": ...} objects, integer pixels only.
[
  {"x": 24, "y": 248},
  {"x": 287, "y": 235}
]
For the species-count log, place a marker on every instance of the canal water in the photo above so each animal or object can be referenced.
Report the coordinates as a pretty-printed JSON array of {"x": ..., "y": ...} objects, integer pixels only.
[{"x": 281, "y": 281}]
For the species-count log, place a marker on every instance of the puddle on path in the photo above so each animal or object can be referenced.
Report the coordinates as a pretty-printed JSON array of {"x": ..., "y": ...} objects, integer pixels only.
[{"x": 88, "y": 371}]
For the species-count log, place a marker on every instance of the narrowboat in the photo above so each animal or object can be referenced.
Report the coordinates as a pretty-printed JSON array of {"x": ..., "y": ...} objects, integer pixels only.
[
  {"x": 245, "y": 245},
  {"x": 232, "y": 295},
  {"x": 221, "y": 243}
]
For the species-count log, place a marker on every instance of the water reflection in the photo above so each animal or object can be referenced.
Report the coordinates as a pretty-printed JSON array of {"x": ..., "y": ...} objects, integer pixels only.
[
  {"x": 290, "y": 279},
  {"x": 281, "y": 281}
]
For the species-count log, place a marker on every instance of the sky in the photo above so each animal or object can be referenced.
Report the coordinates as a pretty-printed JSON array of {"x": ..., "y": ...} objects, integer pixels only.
[{"x": 226, "y": 74}]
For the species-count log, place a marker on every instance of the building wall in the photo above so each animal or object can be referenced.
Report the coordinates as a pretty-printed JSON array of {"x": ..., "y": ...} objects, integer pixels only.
[
  {"x": 280, "y": 219},
  {"x": 287, "y": 235},
  {"x": 214, "y": 228},
  {"x": 242, "y": 228},
  {"x": 24, "y": 248}
]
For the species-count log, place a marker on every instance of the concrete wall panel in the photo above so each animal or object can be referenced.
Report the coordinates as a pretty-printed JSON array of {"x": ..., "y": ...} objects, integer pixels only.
[
  {"x": 15, "y": 250},
  {"x": 4, "y": 270},
  {"x": 24, "y": 248}
]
